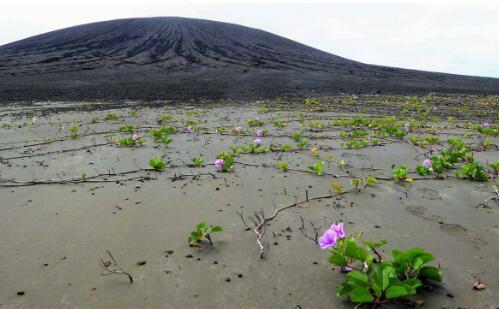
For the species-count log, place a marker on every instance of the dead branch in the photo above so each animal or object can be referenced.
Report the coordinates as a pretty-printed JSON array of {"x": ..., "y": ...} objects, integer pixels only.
[{"x": 112, "y": 268}]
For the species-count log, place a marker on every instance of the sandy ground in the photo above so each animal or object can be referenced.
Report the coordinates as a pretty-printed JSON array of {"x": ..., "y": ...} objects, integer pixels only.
[{"x": 52, "y": 235}]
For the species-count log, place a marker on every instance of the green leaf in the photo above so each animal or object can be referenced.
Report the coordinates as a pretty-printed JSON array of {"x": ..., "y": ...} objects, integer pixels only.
[
  {"x": 361, "y": 295},
  {"x": 396, "y": 291},
  {"x": 377, "y": 289},
  {"x": 200, "y": 226},
  {"x": 417, "y": 263},
  {"x": 415, "y": 283},
  {"x": 216, "y": 228},
  {"x": 382, "y": 274},
  {"x": 344, "y": 289},
  {"x": 358, "y": 279},
  {"x": 338, "y": 259},
  {"x": 431, "y": 272},
  {"x": 354, "y": 251}
]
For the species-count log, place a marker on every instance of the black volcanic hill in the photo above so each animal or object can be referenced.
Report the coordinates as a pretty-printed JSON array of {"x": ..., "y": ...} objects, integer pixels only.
[{"x": 171, "y": 57}]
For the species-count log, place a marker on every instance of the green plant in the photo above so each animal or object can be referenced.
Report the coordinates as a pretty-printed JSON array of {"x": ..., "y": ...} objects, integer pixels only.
[
  {"x": 372, "y": 280},
  {"x": 302, "y": 144},
  {"x": 161, "y": 133},
  {"x": 282, "y": 166},
  {"x": 336, "y": 186},
  {"x": 400, "y": 173},
  {"x": 164, "y": 118},
  {"x": 111, "y": 116},
  {"x": 297, "y": 136},
  {"x": 228, "y": 161},
  {"x": 309, "y": 101},
  {"x": 474, "y": 171},
  {"x": 255, "y": 122},
  {"x": 74, "y": 132},
  {"x": 317, "y": 167},
  {"x": 495, "y": 167},
  {"x": 423, "y": 170},
  {"x": 203, "y": 231},
  {"x": 199, "y": 161},
  {"x": 157, "y": 163},
  {"x": 127, "y": 128},
  {"x": 130, "y": 141}
]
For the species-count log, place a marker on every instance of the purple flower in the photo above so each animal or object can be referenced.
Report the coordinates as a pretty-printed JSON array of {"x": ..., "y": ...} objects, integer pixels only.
[
  {"x": 218, "y": 164},
  {"x": 257, "y": 141},
  {"x": 346, "y": 269},
  {"x": 338, "y": 228},
  {"x": 407, "y": 126},
  {"x": 328, "y": 240},
  {"x": 427, "y": 163},
  {"x": 134, "y": 137},
  {"x": 331, "y": 236},
  {"x": 238, "y": 129},
  {"x": 190, "y": 130},
  {"x": 259, "y": 133},
  {"x": 257, "y": 118},
  {"x": 486, "y": 124}
]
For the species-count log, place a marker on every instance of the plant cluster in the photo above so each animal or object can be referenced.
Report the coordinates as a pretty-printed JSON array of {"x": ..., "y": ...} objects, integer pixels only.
[
  {"x": 255, "y": 122},
  {"x": 74, "y": 132},
  {"x": 203, "y": 231},
  {"x": 157, "y": 163},
  {"x": 224, "y": 162},
  {"x": 370, "y": 279},
  {"x": 161, "y": 134},
  {"x": 134, "y": 140},
  {"x": 317, "y": 168},
  {"x": 111, "y": 116}
]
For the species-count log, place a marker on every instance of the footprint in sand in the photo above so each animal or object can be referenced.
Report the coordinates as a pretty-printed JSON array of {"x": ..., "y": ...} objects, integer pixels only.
[
  {"x": 422, "y": 212},
  {"x": 460, "y": 232},
  {"x": 429, "y": 194},
  {"x": 452, "y": 229}
]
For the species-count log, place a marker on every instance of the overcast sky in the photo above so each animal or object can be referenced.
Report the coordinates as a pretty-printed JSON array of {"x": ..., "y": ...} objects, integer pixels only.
[{"x": 454, "y": 38}]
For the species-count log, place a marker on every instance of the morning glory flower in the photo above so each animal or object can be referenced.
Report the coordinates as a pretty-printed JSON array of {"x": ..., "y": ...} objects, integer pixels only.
[
  {"x": 486, "y": 124},
  {"x": 328, "y": 240},
  {"x": 134, "y": 137},
  {"x": 218, "y": 164},
  {"x": 238, "y": 129},
  {"x": 259, "y": 133},
  {"x": 190, "y": 130},
  {"x": 338, "y": 229},
  {"x": 427, "y": 163},
  {"x": 257, "y": 141},
  {"x": 407, "y": 126}
]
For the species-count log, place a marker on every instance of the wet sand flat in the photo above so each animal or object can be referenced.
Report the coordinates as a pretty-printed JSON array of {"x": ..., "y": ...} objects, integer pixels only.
[{"x": 65, "y": 201}]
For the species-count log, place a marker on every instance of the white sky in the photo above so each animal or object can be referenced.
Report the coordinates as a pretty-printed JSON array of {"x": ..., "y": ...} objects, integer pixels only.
[{"x": 456, "y": 38}]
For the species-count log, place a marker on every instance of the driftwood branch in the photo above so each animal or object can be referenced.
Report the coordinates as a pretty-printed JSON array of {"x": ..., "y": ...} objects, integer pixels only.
[{"x": 112, "y": 268}]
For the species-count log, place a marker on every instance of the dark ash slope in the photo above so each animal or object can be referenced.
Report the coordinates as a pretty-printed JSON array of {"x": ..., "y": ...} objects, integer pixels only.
[{"x": 169, "y": 57}]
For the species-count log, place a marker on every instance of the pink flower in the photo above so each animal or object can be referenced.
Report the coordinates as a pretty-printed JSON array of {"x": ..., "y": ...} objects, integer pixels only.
[
  {"x": 338, "y": 228},
  {"x": 238, "y": 129},
  {"x": 427, "y": 163},
  {"x": 134, "y": 137},
  {"x": 259, "y": 133},
  {"x": 257, "y": 141},
  {"x": 328, "y": 240},
  {"x": 190, "y": 130},
  {"x": 218, "y": 164},
  {"x": 331, "y": 236}
]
